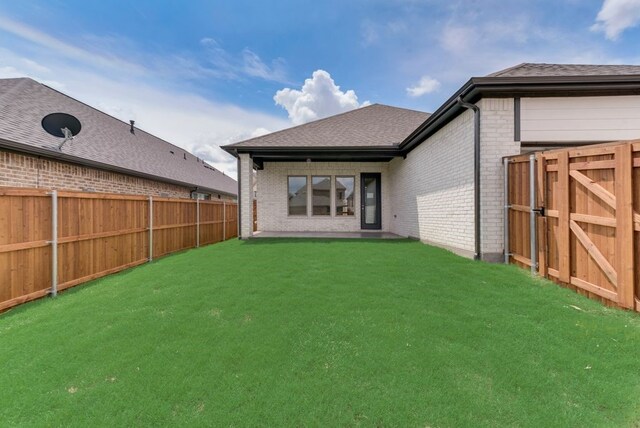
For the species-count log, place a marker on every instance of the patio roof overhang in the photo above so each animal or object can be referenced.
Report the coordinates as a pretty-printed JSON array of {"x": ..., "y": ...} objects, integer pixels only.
[{"x": 260, "y": 155}]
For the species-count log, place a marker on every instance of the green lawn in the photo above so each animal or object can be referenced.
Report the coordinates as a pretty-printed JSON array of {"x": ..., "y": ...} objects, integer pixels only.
[{"x": 319, "y": 333}]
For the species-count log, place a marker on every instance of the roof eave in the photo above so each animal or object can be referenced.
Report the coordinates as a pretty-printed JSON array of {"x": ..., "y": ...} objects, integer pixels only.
[
  {"x": 505, "y": 87},
  {"x": 48, "y": 153},
  {"x": 260, "y": 155}
]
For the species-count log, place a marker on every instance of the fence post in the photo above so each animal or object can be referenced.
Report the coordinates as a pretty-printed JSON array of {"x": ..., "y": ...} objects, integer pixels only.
[
  {"x": 150, "y": 228},
  {"x": 541, "y": 187},
  {"x": 224, "y": 220},
  {"x": 624, "y": 250},
  {"x": 197, "y": 223},
  {"x": 562, "y": 203},
  {"x": 507, "y": 255},
  {"x": 54, "y": 243},
  {"x": 532, "y": 214}
]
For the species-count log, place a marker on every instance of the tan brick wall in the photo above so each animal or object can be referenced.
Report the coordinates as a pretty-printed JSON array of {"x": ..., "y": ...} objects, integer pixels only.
[
  {"x": 20, "y": 170},
  {"x": 272, "y": 196}
]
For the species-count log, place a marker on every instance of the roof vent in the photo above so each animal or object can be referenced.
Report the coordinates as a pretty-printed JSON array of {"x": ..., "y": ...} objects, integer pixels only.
[
  {"x": 132, "y": 122},
  {"x": 185, "y": 156},
  {"x": 61, "y": 125}
]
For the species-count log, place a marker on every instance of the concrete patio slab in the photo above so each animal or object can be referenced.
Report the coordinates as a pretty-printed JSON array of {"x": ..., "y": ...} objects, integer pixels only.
[{"x": 347, "y": 235}]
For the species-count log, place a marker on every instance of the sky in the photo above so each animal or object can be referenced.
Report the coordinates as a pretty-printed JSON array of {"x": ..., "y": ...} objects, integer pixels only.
[{"x": 205, "y": 73}]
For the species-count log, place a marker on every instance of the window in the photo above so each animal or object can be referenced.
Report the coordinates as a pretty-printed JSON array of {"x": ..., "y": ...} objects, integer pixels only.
[
  {"x": 201, "y": 196},
  {"x": 297, "y": 200},
  {"x": 321, "y": 187},
  {"x": 345, "y": 193}
]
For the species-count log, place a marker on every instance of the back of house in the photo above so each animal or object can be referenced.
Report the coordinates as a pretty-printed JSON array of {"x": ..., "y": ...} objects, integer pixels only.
[{"x": 435, "y": 177}]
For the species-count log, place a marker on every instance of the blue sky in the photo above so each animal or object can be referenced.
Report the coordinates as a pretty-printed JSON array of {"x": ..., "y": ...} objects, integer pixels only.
[{"x": 205, "y": 73}]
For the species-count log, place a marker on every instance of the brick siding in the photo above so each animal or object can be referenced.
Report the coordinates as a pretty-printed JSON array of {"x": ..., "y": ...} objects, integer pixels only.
[
  {"x": 432, "y": 189},
  {"x": 496, "y": 141},
  {"x": 20, "y": 170},
  {"x": 272, "y": 194}
]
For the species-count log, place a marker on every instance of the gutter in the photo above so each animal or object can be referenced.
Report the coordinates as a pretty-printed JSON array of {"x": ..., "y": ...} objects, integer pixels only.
[
  {"x": 476, "y": 173},
  {"x": 508, "y": 87},
  {"x": 52, "y": 154}
]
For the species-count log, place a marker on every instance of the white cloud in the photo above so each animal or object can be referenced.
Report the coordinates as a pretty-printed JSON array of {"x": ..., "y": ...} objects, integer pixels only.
[
  {"x": 319, "y": 97},
  {"x": 456, "y": 38},
  {"x": 426, "y": 85},
  {"x": 247, "y": 63},
  {"x": 615, "y": 16},
  {"x": 65, "y": 49},
  {"x": 371, "y": 32},
  {"x": 254, "y": 66},
  {"x": 157, "y": 104}
]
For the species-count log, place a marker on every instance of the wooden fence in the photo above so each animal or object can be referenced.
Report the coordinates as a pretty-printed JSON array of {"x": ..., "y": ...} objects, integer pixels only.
[
  {"x": 586, "y": 232},
  {"x": 94, "y": 235}
]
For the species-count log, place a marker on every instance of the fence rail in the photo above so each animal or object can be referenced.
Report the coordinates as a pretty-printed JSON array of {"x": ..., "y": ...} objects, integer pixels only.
[
  {"x": 53, "y": 240},
  {"x": 586, "y": 223}
]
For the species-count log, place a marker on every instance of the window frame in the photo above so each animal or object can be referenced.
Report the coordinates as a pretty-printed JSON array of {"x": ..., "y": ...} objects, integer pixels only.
[
  {"x": 312, "y": 214},
  {"x": 335, "y": 196},
  {"x": 306, "y": 185}
]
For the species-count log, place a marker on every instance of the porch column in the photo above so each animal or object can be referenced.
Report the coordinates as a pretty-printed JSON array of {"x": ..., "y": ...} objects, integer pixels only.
[{"x": 245, "y": 178}]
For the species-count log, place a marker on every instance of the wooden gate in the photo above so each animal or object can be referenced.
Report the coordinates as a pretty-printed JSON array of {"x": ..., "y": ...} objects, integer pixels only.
[{"x": 586, "y": 219}]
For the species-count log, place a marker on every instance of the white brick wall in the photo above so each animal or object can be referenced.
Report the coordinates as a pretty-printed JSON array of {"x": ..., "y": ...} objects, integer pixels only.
[
  {"x": 432, "y": 189},
  {"x": 245, "y": 175},
  {"x": 272, "y": 196},
  {"x": 428, "y": 195},
  {"x": 496, "y": 141}
]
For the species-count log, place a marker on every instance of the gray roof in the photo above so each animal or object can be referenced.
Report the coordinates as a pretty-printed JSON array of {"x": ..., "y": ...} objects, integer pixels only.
[
  {"x": 103, "y": 139},
  {"x": 558, "y": 70},
  {"x": 376, "y": 125}
]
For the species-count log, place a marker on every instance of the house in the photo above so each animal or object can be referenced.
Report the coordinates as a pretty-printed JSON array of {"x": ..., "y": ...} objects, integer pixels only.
[
  {"x": 437, "y": 177},
  {"x": 106, "y": 155}
]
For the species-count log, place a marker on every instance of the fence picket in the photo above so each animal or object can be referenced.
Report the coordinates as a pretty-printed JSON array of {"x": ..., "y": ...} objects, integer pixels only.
[
  {"x": 587, "y": 237},
  {"x": 94, "y": 235}
]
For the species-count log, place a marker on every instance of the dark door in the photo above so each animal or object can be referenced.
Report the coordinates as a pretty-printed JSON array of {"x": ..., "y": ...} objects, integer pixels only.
[{"x": 370, "y": 201}]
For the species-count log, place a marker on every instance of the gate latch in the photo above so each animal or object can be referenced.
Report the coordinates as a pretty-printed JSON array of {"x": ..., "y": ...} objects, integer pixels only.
[{"x": 539, "y": 210}]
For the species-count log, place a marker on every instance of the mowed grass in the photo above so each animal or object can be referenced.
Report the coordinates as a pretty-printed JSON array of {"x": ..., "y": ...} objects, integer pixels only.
[{"x": 319, "y": 333}]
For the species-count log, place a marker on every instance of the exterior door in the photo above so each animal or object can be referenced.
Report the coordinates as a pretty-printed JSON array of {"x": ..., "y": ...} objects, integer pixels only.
[{"x": 370, "y": 201}]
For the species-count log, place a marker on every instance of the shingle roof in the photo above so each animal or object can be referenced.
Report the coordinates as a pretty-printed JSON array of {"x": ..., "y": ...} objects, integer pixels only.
[
  {"x": 376, "y": 125},
  {"x": 557, "y": 70},
  {"x": 103, "y": 138}
]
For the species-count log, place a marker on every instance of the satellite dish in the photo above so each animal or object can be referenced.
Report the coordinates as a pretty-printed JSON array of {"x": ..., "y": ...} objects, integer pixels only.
[
  {"x": 61, "y": 125},
  {"x": 54, "y": 123}
]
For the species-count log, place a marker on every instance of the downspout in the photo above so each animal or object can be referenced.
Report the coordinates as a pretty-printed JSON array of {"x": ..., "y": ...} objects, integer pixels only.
[{"x": 476, "y": 172}]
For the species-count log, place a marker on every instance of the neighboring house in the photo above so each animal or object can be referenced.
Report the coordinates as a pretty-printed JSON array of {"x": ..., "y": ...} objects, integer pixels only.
[
  {"x": 107, "y": 155},
  {"x": 438, "y": 177}
]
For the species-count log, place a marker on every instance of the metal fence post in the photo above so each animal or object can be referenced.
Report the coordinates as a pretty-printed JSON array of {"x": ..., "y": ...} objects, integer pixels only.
[
  {"x": 150, "y": 228},
  {"x": 532, "y": 215},
  {"x": 224, "y": 220},
  {"x": 197, "y": 223},
  {"x": 507, "y": 254},
  {"x": 54, "y": 243}
]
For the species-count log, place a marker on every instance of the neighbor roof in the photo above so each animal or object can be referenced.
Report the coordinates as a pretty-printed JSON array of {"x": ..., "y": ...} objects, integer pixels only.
[
  {"x": 557, "y": 70},
  {"x": 375, "y": 125},
  {"x": 104, "y": 141}
]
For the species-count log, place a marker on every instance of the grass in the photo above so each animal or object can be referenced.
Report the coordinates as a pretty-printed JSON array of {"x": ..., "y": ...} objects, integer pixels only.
[{"x": 319, "y": 333}]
